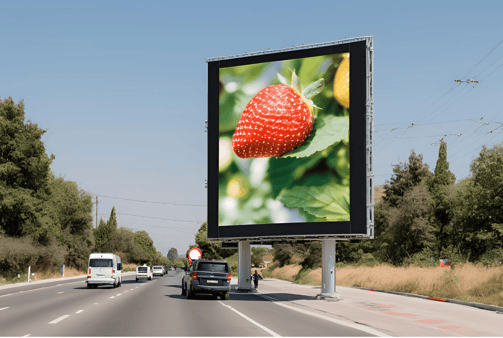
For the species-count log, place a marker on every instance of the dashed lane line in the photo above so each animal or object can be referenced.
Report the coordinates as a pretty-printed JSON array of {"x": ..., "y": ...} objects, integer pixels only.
[
  {"x": 79, "y": 311},
  {"x": 271, "y": 332},
  {"x": 61, "y": 292},
  {"x": 112, "y": 297},
  {"x": 95, "y": 303},
  {"x": 57, "y": 320},
  {"x": 27, "y": 335},
  {"x": 119, "y": 294},
  {"x": 4, "y": 308}
]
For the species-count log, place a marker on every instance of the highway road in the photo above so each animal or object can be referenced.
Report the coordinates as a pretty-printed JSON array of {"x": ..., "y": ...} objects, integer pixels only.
[{"x": 149, "y": 308}]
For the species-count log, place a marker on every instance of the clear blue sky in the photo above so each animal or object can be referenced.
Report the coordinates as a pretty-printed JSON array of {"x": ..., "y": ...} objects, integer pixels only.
[{"x": 121, "y": 86}]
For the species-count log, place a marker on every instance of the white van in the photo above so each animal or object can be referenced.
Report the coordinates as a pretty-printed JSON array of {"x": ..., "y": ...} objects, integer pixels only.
[
  {"x": 104, "y": 269},
  {"x": 144, "y": 272}
]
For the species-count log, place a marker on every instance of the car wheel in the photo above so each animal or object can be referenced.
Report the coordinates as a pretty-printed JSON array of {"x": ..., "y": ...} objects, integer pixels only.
[
  {"x": 137, "y": 279},
  {"x": 88, "y": 286},
  {"x": 113, "y": 285},
  {"x": 183, "y": 290},
  {"x": 225, "y": 296}
]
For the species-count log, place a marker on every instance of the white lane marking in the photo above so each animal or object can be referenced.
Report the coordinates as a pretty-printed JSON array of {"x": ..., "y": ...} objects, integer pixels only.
[
  {"x": 95, "y": 303},
  {"x": 6, "y": 295},
  {"x": 27, "y": 335},
  {"x": 59, "y": 284},
  {"x": 112, "y": 297},
  {"x": 4, "y": 308},
  {"x": 131, "y": 289},
  {"x": 119, "y": 294},
  {"x": 57, "y": 320},
  {"x": 60, "y": 292},
  {"x": 272, "y": 333},
  {"x": 79, "y": 311},
  {"x": 125, "y": 291},
  {"x": 340, "y": 322}
]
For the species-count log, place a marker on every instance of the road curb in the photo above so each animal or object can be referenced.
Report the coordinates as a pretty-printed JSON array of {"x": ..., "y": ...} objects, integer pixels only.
[{"x": 447, "y": 300}]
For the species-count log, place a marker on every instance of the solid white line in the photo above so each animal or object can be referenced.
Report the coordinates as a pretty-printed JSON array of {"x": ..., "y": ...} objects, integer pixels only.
[
  {"x": 272, "y": 333},
  {"x": 57, "y": 320},
  {"x": 60, "y": 292},
  {"x": 6, "y": 295},
  {"x": 79, "y": 311},
  {"x": 27, "y": 335},
  {"x": 4, "y": 308},
  {"x": 340, "y": 322},
  {"x": 59, "y": 284}
]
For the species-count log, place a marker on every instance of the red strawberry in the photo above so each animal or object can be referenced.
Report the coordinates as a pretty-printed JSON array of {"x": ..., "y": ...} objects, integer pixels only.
[{"x": 276, "y": 120}]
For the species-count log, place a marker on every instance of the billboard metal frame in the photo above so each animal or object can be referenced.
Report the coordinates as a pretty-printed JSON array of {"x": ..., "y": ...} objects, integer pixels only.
[{"x": 360, "y": 48}]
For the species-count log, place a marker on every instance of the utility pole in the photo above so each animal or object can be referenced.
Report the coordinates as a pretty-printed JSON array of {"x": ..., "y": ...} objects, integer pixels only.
[{"x": 96, "y": 211}]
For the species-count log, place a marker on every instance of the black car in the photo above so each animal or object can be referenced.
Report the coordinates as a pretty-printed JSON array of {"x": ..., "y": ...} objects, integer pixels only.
[{"x": 205, "y": 276}]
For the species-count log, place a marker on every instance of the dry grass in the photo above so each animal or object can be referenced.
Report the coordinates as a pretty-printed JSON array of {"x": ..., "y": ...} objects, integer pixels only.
[
  {"x": 288, "y": 272},
  {"x": 69, "y": 272},
  {"x": 468, "y": 282}
]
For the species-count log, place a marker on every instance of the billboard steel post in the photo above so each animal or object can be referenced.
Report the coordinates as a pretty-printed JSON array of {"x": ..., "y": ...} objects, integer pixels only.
[
  {"x": 328, "y": 270},
  {"x": 244, "y": 266}
]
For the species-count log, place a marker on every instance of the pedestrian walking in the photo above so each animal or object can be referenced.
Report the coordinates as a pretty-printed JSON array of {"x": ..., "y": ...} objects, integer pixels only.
[{"x": 255, "y": 279}]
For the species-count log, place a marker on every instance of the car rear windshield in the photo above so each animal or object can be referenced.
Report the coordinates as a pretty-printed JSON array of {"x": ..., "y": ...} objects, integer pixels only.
[
  {"x": 215, "y": 267},
  {"x": 142, "y": 269},
  {"x": 158, "y": 267},
  {"x": 101, "y": 263}
]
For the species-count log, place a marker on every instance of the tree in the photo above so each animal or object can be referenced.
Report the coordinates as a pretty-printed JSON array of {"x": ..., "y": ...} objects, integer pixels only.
[
  {"x": 257, "y": 255},
  {"x": 405, "y": 177},
  {"x": 145, "y": 245},
  {"x": 479, "y": 207},
  {"x": 105, "y": 232},
  {"x": 172, "y": 254},
  {"x": 24, "y": 177},
  {"x": 441, "y": 206}
]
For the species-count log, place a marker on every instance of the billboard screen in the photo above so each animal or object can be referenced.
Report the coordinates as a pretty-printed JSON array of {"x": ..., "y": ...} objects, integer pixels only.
[{"x": 287, "y": 143}]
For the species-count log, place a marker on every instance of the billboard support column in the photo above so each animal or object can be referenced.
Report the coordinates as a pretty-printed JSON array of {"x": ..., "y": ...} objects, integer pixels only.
[
  {"x": 328, "y": 271},
  {"x": 244, "y": 266}
]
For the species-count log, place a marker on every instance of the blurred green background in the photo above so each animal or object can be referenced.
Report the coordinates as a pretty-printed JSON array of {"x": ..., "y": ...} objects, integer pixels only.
[{"x": 310, "y": 184}]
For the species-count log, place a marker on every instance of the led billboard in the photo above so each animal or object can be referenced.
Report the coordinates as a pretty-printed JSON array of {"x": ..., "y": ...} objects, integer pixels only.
[{"x": 288, "y": 143}]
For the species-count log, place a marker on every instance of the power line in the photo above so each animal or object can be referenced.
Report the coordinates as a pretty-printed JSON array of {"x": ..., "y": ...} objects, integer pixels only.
[
  {"x": 128, "y": 199},
  {"x": 483, "y": 58},
  {"x": 164, "y": 219}
]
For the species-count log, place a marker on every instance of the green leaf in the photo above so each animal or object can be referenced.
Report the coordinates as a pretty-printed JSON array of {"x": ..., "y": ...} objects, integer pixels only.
[
  {"x": 282, "y": 79},
  {"x": 313, "y": 89},
  {"x": 296, "y": 82},
  {"x": 328, "y": 129},
  {"x": 329, "y": 201},
  {"x": 283, "y": 171}
]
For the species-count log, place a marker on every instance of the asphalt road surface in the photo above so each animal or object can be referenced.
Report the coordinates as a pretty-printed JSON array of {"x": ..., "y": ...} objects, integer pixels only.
[{"x": 149, "y": 308}]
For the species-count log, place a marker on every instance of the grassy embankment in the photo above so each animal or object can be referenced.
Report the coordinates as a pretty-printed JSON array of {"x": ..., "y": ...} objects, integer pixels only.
[
  {"x": 467, "y": 282},
  {"x": 69, "y": 272}
]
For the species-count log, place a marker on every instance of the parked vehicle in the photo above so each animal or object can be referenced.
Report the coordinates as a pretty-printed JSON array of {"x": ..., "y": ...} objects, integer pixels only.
[
  {"x": 104, "y": 269},
  {"x": 205, "y": 276},
  {"x": 158, "y": 270},
  {"x": 144, "y": 272}
]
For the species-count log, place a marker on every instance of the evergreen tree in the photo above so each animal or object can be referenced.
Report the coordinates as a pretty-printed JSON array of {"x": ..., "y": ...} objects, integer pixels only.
[{"x": 441, "y": 206}]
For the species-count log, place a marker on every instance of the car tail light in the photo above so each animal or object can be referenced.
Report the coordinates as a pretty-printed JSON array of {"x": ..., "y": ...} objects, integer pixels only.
[
  {"x": 229, "y": 277},
  {"x": 194, "y": 275},
  {"x": 89, "y": 271}
]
